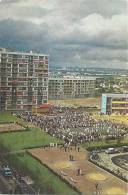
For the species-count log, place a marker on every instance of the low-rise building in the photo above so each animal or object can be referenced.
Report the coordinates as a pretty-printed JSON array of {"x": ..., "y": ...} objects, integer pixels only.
[{"x": 114, "y": 103}]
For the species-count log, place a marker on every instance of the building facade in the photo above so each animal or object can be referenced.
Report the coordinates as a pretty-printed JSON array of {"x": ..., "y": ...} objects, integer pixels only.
[
  {"x": 114, "y": 103},
  {"x": 23, "y": 80},
  {"x": 71, "y": 87}
]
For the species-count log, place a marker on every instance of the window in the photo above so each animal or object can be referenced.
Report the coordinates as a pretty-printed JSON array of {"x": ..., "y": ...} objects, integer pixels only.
[
  {"x": 9, "y": 74},
  {"x": 36, "y": 65},
  {"x": 18, "y": 101},
  {"x": 10, "y": 55},
  {"x": 3, "y": 55},
  {"x": 46, "y": 57},
  {"x": 19, "y": 56},
  {"x": 24, "y": 88},
  {"x": 9, "y": 59},
  {"x": 22, "y": 70},
  {"x": 45, "y": 101},
  {"x": 22, "y": 66},
  {"x": 35, "y": 57},
  {"x": 41, "y": 57},
  {"x": 24, "y": 101},
  {"x": 35, "y": 84},
  {"x": 9, "y": 79},
  {"x": 9, "y": 65},
  {"x": 22, "y": 74}
]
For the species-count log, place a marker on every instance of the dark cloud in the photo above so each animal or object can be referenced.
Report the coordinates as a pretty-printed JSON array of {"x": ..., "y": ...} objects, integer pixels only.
[{"x": 23, "y": 35}]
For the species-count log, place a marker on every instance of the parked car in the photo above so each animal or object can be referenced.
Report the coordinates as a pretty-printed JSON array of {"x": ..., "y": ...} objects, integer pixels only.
[
  {"x": 7, "y": 171},
  {"x": 125, "y": 148},
  {"x": 112, "y": 150}
]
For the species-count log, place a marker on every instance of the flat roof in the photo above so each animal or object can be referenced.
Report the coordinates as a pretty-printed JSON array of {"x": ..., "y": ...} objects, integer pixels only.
[
  {"x": 72, "y": 78},
  {"x": 31, "y": 53},
  {"x": 117, "y": 95}
]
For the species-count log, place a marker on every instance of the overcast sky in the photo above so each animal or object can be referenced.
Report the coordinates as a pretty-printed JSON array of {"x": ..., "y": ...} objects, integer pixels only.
[{"x": 90, "y": 33}]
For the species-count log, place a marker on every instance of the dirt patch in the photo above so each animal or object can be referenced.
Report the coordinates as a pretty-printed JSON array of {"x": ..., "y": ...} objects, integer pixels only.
[
  {"x": 114, "y": 191},
  {"x": 63, "y": 164},
  {"x": 96, "y": 176},
  {"x": 10, "y": 127},
  {"x": 78, "y": 102},
  {"x": 59, "y": 161}
]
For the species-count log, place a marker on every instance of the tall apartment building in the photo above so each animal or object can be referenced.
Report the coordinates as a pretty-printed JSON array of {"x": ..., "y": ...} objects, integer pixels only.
[
  {"x": 71, "y": 87},
  {"x": 114, "y": 103},
  {"x": 23, "y": 80}
]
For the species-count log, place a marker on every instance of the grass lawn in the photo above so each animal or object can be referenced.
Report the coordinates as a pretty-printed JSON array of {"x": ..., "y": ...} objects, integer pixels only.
[
  {"x": 113, "y": 118},
  {"x": 6, "y": 117},
  {"x": 26, "y": 139},
  {"x": 45, "y": 180},
  {"x": 34, "y": 137}
]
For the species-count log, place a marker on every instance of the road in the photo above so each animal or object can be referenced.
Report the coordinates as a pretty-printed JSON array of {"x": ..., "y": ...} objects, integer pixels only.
[
  {"x": 17, "y": 178},
  {"x": 6, "y": 185}
]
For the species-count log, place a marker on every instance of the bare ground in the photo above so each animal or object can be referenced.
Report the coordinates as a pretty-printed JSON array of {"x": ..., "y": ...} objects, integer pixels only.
[{"x": 58, "y": 160}]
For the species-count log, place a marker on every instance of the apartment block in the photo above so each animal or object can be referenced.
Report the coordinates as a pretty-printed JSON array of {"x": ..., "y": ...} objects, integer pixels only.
[
  {"x": 71, "y": 87},
  {"x": 23, "y": 80}
]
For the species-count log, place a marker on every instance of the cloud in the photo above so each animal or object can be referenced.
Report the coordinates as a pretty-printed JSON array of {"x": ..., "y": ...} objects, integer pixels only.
[{"x": 90, "y": 32}]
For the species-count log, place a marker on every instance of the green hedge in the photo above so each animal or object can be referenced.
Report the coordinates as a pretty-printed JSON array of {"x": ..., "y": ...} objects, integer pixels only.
[{"x": 104, "y": 145}]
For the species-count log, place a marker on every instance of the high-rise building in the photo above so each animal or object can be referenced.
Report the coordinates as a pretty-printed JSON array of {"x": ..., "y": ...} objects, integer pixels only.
[
  {"x": 23, "y": 80},
  {"x": 69, "y": 87}
]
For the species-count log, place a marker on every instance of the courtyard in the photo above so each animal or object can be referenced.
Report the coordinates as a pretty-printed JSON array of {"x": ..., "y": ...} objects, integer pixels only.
[{"x": 91, "y": 179}]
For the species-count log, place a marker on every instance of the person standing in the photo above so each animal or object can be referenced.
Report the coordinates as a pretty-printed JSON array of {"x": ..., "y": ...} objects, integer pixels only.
[
  {"x": 78, "y": 149},
  {"x": 78, "y": 172}
]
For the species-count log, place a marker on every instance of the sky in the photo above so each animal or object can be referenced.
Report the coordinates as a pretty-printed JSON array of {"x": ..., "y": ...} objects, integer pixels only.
[{"x": 84, "y": 33}]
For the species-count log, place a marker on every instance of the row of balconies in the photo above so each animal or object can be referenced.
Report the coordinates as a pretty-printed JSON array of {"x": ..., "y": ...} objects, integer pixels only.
[{"x": 22, "y": 62}]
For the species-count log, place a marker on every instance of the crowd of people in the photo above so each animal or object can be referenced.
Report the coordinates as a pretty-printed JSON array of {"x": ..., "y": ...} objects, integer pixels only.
[{"x": 75, "y": 126}]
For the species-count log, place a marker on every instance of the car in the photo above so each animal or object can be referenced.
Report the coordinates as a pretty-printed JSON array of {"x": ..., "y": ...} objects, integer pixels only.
[
  {"x": 7, "y": 172},
  {"x": 112, "y": 150},
  {"x": 125, "y": 148}
]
